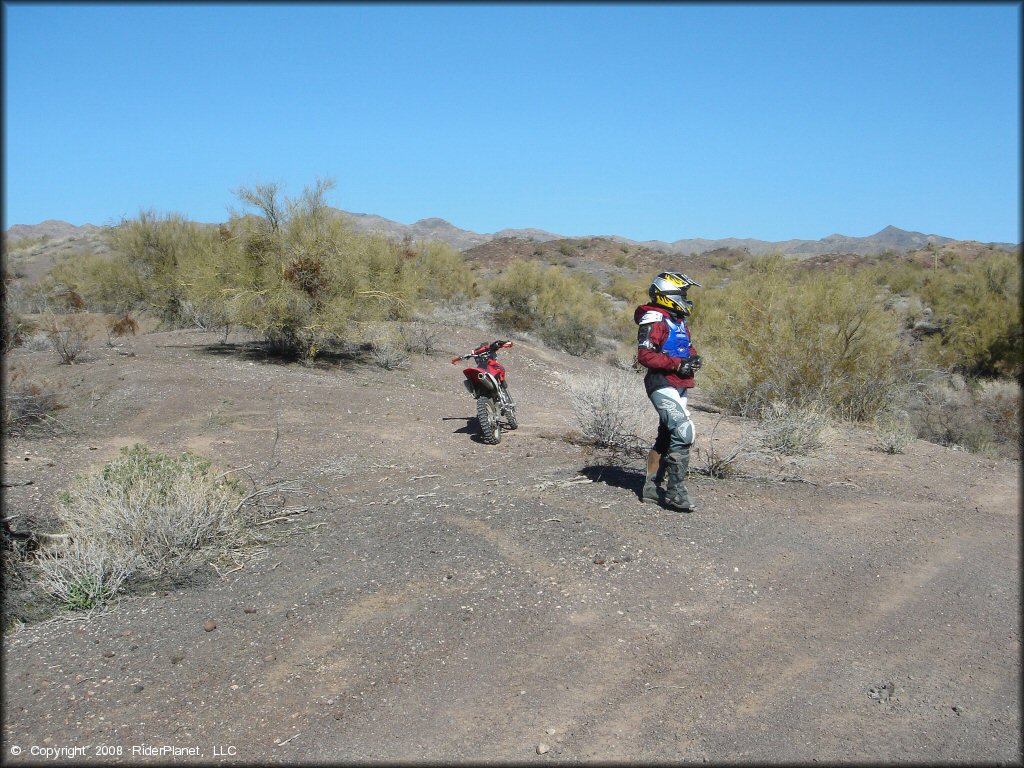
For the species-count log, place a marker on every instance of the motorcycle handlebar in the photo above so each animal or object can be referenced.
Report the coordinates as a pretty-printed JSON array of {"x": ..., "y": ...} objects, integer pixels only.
[{"x": 484, "y": 349}]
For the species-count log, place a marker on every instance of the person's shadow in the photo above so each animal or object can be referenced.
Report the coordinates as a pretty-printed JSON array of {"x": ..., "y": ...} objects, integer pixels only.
[{"x": 616, "y": 477}]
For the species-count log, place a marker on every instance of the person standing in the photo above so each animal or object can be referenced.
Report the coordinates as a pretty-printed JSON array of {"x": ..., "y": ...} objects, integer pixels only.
[{"x": 665, "y": 349}]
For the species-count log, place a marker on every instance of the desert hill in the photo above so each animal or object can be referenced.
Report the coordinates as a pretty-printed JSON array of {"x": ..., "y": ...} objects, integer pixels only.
[{"x": 889, "y": 238}]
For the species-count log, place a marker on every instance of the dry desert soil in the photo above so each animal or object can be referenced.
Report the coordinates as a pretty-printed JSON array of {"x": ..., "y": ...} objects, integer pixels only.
[{"x": 448, "y": 601}]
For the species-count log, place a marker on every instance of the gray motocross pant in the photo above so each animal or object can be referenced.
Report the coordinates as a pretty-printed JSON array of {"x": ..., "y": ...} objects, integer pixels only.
[{"x": 674, "y": 417}]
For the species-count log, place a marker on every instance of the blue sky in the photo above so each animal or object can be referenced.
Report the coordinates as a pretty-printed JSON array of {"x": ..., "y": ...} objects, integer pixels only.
[{"x": 661, "y": 121}]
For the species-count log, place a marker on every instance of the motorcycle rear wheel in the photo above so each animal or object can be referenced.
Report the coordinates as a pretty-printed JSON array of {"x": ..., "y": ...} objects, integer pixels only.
[{"x": 487, "y": 416}]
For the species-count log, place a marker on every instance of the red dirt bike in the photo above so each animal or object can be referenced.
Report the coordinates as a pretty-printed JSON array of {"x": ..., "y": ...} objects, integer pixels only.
[{"x": 485, "y": 381}]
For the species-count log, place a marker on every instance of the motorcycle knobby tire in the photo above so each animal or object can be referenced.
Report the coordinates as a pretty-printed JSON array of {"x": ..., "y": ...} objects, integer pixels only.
[{"x": 487, "y": 415}]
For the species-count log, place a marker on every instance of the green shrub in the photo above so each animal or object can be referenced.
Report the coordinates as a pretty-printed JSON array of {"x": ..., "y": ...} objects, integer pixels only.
[
  {"x": 441, "y": 274},
  {"x": 297, "y": 275},
  {"x": 562, "y": 307},
  {"x": 776, "y": 333},
  {"x": 976, "y": 303},
  {"x": 291, "y": 270}
]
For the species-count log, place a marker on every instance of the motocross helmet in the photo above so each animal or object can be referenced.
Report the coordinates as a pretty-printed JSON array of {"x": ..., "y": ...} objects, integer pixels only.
[{"x": 669, "y": 290}]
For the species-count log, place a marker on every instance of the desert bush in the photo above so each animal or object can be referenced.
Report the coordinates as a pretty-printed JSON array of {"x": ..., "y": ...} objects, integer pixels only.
[
  {"x": 778, "y": 334},
  {"x": 571, "y": 334},
  {"x": 68, "y": 337},
  {"x": 81, "y": 575},
  {"x": 564, "y": 309},
  {"x": 710, "y": 460},
  {"x": 297, "y": 275},
  {"x": 893, "y": 431},
  {"x": 143, "y": 515},
  {"x": 441, "y": 274},
  {"x": 420, "y": 336},
  {"x": 28, "y": 405},
  {"x": 998, "y": 402},
  {"x": 979, "y": 416},
  {"x": 514, "y": 296},
  {"x": 155, "y": 256},
  {"x": 612, "y": 411},
  {"x": 632, "y": 290},
  {"x": 124, "y": 326},
  {"x": 39, "y": 341},
  {"x": 976, "y": 303},
  {"x": 389, "y": 352},
  {"x": 791, "y": 430},
  {"x": 16, "y": 329}
]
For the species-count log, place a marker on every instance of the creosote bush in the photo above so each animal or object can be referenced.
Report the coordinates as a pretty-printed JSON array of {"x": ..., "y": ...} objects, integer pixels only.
[{"x": 143, "y": 515}]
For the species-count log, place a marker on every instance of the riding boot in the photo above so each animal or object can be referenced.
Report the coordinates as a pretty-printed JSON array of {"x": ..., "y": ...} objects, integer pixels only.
[
  {"x": 650, "y": 491},
  {"x": 659, "y": 476},
  {"x": 676, "y": 496}
]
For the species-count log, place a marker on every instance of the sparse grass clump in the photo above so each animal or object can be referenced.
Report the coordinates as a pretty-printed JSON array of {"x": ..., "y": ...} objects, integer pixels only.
[{"x": 143, "y": 515}]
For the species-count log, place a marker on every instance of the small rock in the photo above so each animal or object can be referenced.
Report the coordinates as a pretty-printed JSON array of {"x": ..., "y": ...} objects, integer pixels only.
[
  {"x": 957, "y": 710},
  {"x": 177, "y": 658},
  {"x": 598, "y": 560},
  {"x": 250, "y": 610},
  {"x": 271, "y": 657},
  {"x": 550, "y": 731},
  {"x": 210, "y": 625},
  {"x": 108, "y": 654},
  {"x": 542, "y": 748},
  {"x": 138, "y": 688}
]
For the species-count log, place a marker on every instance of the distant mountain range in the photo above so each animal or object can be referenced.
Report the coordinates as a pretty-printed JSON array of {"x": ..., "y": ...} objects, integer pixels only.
[{"x": 888, "y": 239}]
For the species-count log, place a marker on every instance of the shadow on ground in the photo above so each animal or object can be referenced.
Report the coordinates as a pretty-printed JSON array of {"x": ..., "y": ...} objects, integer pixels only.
[{"x": 615, "y": 476}]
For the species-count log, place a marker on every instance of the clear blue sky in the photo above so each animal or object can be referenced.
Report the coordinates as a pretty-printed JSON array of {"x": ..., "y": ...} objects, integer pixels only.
[{"x": 652, "y": 122}]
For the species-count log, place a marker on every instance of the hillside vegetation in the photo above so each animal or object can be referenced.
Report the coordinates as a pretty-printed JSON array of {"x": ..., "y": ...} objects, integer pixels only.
[{"x": 927, "y": 343}]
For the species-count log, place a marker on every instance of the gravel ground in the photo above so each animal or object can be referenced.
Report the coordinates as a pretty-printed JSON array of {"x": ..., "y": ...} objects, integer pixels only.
[{"x": 450, "y": 601}]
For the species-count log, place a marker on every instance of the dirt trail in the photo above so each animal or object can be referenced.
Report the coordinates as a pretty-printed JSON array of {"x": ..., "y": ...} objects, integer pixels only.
[{"x": 451, "y": 601}]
